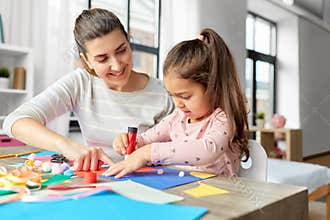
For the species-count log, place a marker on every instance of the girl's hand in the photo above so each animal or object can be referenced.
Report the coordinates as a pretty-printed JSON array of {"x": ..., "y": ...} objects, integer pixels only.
[
  {"x": 120, "y": 143},
  {"x": 136, "y": 160}
]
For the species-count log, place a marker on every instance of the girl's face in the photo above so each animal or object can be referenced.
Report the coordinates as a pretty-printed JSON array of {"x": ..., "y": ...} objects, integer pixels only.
[
  {"x": 111, "y": 58},
  {"x": 188, "y": 96}
]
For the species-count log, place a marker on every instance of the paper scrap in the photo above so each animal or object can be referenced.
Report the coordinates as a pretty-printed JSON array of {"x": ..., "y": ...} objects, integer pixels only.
[
  {"x": 145, "y": 169},
  {"x": 42, "y": 153},
  {"x": 202, "y": 175},
  {"x": 16, "y": 165},
  {"x": 143, "y": 193},
  {"x": 59, "y": 178},
  {"x": 205, "y": 190}
]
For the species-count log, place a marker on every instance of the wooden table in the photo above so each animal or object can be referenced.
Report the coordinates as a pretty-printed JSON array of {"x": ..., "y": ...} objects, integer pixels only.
[{"x": 247, "y": 199}]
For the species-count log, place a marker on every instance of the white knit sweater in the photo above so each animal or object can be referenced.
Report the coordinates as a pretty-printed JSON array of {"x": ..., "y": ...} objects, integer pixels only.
[{"x": 102, "y": 113}]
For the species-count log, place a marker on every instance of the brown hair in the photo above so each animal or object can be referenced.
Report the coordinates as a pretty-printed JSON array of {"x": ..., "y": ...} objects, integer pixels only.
[
  {"x": 208, "y": 61},
  {"x": 94, "y": 23}
]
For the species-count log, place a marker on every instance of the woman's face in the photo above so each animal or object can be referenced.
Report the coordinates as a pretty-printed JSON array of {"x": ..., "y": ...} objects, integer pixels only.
[{"x": 111, "y": 58}]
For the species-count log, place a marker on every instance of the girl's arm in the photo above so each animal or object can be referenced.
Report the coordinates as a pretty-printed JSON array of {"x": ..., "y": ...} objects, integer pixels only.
[
  {"x": 201, "y": 151},
  {"x": 134, "y": 161},
  {"x": 158, "y": 133}
]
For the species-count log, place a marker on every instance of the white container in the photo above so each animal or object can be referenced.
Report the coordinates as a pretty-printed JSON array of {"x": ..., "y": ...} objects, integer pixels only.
[
  {"x": 260, "y": 123},
  {"x": 4, "y": 83}
]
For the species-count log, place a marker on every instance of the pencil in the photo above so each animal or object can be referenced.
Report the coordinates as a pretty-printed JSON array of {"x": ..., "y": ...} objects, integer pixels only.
[{"x": 18, "y": 154}]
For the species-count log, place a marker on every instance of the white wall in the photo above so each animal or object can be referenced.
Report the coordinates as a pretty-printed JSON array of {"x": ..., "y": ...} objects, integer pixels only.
[
  {"x": 287, "y": 82},
  {"x": 287, "y": 72},
  {"x": 287, "y": 68},
  {"x": 303, "y": 75},
  {"x": 314, "y": 69},
  {"x": 184, "y": 19}
]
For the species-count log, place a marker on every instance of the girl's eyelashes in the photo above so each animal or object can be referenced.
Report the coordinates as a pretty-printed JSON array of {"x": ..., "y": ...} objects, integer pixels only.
[
  {"x": 181, "y": 96},
  {"x": 185, "y": 97}
]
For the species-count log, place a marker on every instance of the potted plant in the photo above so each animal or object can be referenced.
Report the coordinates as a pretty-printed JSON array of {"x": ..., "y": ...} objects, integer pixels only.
[
  {"x": 260, "y": 120},
  {"x": 4, "y": 78}
]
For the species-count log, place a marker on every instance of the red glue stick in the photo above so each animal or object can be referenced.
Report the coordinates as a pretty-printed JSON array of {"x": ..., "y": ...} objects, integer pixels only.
[{"x": 131, "y": 136}]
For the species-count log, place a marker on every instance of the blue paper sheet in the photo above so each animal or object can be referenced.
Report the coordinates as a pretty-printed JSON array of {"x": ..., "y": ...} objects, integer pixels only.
[
  {"x": 102, "y": 206},
  {"x": 168, "y": 179},
  {"x": 41, "y": 153}
]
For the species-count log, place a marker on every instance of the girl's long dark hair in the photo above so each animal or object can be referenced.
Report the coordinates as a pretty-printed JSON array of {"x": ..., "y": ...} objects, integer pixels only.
[{"x": 209, "y": 62}]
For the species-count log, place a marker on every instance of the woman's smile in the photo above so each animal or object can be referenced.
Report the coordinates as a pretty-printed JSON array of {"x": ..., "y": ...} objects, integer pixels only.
[{"x": 117, "y": 74}]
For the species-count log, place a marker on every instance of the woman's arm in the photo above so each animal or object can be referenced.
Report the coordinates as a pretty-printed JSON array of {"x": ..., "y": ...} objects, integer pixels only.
[
  {"x": 27, "y": 123},
  {"x": 33, "y": 133}
]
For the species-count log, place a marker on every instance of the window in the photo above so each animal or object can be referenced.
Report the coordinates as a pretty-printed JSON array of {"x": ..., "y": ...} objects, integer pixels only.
[
  {"x": 260, "y": 66},
  {"x": 141, "y": 20}
]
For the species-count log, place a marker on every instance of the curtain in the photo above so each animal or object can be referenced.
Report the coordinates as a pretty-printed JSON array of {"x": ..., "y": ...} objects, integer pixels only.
[{"x": 46, "y": 26}]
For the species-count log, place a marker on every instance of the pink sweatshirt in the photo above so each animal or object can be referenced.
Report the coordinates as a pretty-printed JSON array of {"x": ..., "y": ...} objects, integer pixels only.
[{"x": 203, "y": 146}]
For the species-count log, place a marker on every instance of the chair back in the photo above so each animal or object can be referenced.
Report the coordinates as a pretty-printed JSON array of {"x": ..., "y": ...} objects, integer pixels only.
[{"x": 256, "y": 166}]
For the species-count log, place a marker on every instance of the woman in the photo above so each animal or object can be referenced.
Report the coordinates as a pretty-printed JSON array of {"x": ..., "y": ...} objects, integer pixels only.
[{"x": 106, "y": 95}]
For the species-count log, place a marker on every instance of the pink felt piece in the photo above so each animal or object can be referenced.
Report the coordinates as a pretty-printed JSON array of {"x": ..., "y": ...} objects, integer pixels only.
[
  {"x": 145, "y": 170},
  {"x": 42, "y": 158},
  {"x": 6, "y": 141}
]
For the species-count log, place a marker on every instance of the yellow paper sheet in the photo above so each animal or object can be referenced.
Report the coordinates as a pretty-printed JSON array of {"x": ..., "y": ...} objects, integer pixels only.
[
  {"x": 202, "y": 175},
  {"x": 205, "y": 190}
]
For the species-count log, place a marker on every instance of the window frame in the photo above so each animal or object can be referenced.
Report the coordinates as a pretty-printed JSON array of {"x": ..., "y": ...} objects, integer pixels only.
[{"x": 258, "y": 56}]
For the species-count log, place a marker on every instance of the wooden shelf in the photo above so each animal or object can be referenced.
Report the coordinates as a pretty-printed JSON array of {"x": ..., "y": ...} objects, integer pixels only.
[
  {"x": 12, "y": 56},
  {"x": 293, "y": 138},
  {"x": 13, "y": 50}
]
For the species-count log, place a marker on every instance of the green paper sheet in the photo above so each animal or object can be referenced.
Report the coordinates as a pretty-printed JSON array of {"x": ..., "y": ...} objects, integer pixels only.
[
  {"x": 141, "y": 192},
  {"x": 5, "y": 192},
  {"x": 59, "y": 178}
]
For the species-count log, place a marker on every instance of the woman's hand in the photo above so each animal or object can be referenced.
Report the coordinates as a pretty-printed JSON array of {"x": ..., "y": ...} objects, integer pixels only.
[
  {"x": 91, "y": 159},
  {"x": 85, "y": 158},
  {"x": 134, "y": 161},
  {"x": 120, "y": 143}
]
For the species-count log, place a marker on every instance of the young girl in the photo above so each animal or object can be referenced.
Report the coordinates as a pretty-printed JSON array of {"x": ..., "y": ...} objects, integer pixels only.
[
  {"x": 106, "y": 95},
  {"x": 207, "y": 129}
]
